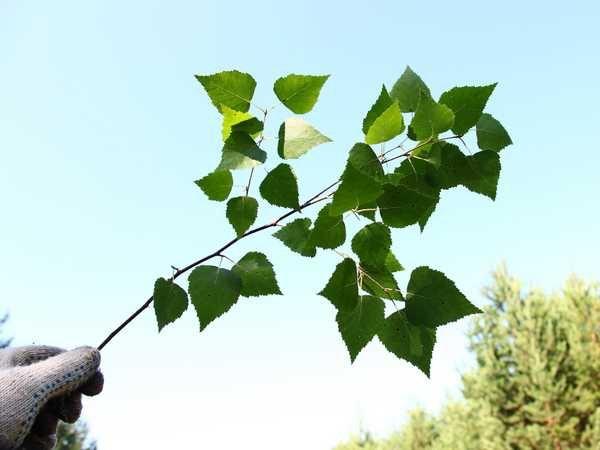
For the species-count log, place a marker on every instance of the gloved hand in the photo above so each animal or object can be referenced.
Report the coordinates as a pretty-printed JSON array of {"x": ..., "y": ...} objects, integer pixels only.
[{"x": 38, "y": 387}]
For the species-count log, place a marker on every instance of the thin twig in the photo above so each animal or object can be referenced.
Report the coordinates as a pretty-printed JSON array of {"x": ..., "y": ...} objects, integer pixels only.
[
  {"x": 249, "y": 181},
  {"x": 227, "y": 258},
  {"x": 219, "y": 252}
]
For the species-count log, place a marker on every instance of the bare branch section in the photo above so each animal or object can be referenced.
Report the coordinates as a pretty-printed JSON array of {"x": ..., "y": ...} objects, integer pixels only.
[{"x": 311, "y": 201}]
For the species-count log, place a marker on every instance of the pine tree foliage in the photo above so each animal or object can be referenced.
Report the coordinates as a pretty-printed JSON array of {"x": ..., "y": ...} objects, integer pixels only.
[
  {"x": 73, "y": 437},
  {"x": 536, "y": 384}
]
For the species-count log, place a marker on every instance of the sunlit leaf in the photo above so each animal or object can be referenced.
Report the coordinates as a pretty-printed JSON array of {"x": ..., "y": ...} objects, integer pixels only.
[
  {"x": 467, "y": 102},
  {"x": 430, "y": 119},
  {"x": 232, "y": 117},
  {"x": 392, "y": 264},
  {"x": 231, "y": 88},
  {"x": 384, "y": 120},
  {"x": 241, "y": 152},
  {"x": 299, "y": 92},
  {"x": 407, "y": 90},
  {"x": 296, "y": 137}
]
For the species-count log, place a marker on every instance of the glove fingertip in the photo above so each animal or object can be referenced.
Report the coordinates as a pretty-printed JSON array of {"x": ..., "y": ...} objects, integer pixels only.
[
  {"x": 66, "y": 372},
  {"x": 93, "y": 386},
  {"x": 90, "y": 355}
]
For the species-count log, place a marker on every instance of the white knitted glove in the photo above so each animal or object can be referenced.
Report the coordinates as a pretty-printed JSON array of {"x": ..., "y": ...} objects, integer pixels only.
[{"x": 40, "y": 385}]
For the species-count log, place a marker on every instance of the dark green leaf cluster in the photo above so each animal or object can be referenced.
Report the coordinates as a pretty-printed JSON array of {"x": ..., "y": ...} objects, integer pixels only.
[{"x": 395, "y": 187}]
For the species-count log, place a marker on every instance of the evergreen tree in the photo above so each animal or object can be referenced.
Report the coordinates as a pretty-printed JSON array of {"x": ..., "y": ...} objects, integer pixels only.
[
  {"x": 536, "y": 384},
  {"x": 73, "y": 437},
  {"x": 419, "y": 433},
  {"x": 538, "y": 360},
  {"x": 363, "y": 441}
]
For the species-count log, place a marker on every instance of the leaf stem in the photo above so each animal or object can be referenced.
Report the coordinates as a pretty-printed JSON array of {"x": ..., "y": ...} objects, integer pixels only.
[
  {"x": 249, "y": 181},
  {"x": 422, "y": 144}
]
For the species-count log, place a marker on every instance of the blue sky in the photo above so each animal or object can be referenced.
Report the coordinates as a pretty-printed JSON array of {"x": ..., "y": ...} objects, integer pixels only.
[{"x": 103, "y": 129}]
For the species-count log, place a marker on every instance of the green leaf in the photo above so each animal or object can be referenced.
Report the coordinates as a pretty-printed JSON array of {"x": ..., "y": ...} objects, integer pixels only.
[
  {"x": 382, "y": 103},
  {"x": 230, "y": 88},
  {"x": 421, "y": 174},
  {"x": 430, "y": 153},
  {"x": 479, "y": 172},
  {"x": 241, "y": 213},
  {"x": 368, "y": 210},
  {"x": 387, "y": 126},
  {"x": 417, "y": 174},
  {"x": 355, "y": 189},
  {"x": 296, "y": 235},
  {"x": 430, "y": 119},
  {"x": 392, "y": 264},
  {"x": 372, "y": 244},
  {"x": 484, "y": 173},
  {"x": 170, "y": 302},
  {"x": 467, "y": 102},
  {"x": 407, "y": 90},
  {"x": 359, "y": 325},
  {"x": 433, "y": 300},
  {"x": 213, "y": 291},
  {"x": 280, "y": 187},
  {"x": 251, "y": 126},
  {"x": 491, "y": 135},
  {"x": 299, "y": 92},
  {"x": 230, "y": 118},
  {"x": 241, "y": 152},
  {"x": 328, "y": 231},
  {"x": 342, "y": 288},
  {"x": 426, "y": 216},
  {"x": 361, "y": 180},
  {"x": 384, "y": 120},
  {"x": 401, "y": 206},
  {"x": 257, "y": 275},
  {"x": 453, "y": 168},
  {"x": 296, "y": 137},
  {"x": 216, "y": 185},
  {"x": 413, "y": 343},
  {"x": 380, "y": 282},
  {"x": 363, "y": 158}
]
